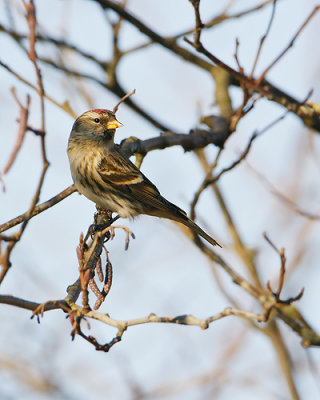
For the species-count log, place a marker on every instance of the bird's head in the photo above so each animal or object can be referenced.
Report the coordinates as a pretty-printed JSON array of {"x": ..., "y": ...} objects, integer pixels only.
[{"x": 97, "y": 123}]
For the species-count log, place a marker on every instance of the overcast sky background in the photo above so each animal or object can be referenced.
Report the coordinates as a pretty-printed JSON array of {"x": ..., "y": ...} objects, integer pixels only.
[{"x": 162, "y": 272}]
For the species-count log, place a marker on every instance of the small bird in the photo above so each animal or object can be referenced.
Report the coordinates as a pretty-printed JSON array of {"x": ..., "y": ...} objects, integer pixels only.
[{"x": 105, "y": 175}]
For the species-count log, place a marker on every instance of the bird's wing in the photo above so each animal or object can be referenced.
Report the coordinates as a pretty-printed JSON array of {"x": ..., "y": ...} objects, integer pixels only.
[{"x": 117, "y": 170}]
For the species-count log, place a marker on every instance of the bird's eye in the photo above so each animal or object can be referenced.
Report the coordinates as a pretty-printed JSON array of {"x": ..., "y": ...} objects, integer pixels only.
[{"x": 96, "y": 120}]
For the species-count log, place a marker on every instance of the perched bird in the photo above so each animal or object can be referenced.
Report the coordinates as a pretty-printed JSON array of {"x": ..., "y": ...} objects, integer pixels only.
[{"x": 103, "y": 174}]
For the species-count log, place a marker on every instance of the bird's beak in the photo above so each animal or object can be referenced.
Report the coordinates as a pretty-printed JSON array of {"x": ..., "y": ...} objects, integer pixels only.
[{"x": 113, "y": 124}]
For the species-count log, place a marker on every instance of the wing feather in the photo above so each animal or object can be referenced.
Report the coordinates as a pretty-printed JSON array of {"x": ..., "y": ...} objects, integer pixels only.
[{"x": 117, "y": 171}]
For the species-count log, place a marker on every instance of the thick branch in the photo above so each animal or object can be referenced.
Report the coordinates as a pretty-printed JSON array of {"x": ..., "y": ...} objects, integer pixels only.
[{"x": 196, "y": 139}]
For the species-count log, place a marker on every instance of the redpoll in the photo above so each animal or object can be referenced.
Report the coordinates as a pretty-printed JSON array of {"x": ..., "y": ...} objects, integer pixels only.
[{"x": 103, "y": 174}]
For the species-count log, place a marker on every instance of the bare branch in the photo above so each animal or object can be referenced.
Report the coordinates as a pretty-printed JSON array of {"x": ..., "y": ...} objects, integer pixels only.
[
  {"x": 310, "y": 115},
  {"x": 23, "y": 120},
  {"x": 64, "y": 106},
  {"x": 124, "y": 98},
  {"x": 262, "y": 40},
  {"x": 283, "y": 260},
  {"x": 209, "y": 180},
  {"x": 38, "y": 209},
  {"x": 315, "y": 10}
]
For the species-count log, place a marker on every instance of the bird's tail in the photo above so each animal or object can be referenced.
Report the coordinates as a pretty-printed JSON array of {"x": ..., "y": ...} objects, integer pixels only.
[
  {"x": 195, "y": 228},
  {"x": 177, "y": 214}
]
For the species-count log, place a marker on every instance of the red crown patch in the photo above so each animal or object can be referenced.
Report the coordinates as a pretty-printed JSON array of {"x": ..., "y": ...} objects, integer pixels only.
[{"x": 100, "y": 111}]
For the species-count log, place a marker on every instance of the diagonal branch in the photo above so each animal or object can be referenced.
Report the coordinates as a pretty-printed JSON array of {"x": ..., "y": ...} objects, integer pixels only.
[{"x": 38, "y": 209}]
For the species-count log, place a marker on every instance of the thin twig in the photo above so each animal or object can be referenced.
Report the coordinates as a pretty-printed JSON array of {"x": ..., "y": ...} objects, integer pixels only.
[
  {"x": 285, "y": 199},
  {"x": 315, "y": 10},
  {"x": 115, "y": 108},
  {"x": 222, "y": 17},
  {"x": 64, "y": 106},
  {"x": 309, "y": 115},
  {"x": 283, "y": 261},
  {"x": 199, "y": 24},
  {"x": 5, "y": 259},
  {"x": 208, "y": 180},
  {"x": 23, "y": 120},
  {"x": 264, "y": 37}
]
